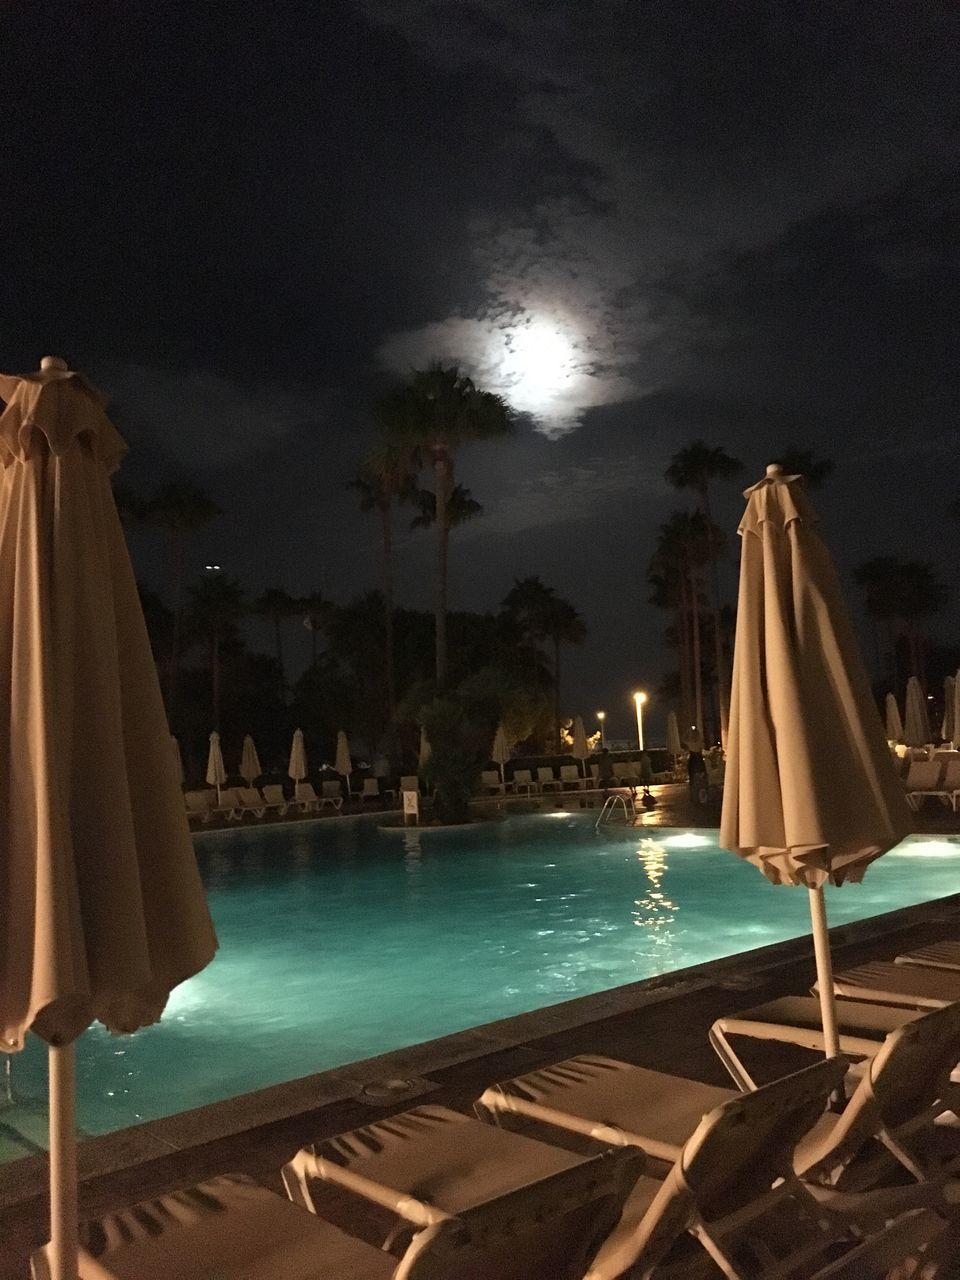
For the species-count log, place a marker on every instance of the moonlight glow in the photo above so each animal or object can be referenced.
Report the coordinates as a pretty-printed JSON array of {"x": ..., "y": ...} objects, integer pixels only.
[{"x": 539, "y": 366}]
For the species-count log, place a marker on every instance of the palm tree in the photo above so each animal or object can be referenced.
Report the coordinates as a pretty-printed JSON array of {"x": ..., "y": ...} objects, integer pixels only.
[
  {"x": 541, "y": 615},
  {"x": 386, "y": 477},
  {"x": 216, "y": 605},
  {"x": 435, "y": 412},
  {"x": 694, "y": 468},
  {"x": 899, "y": 594},
  {"x": 461, "y": 507},
  {"x": 682, "y": 548},
  {"x": 804, "y": 462},
  {"x": 180, "y": 510},
  {"x": 277, "y": 606}
]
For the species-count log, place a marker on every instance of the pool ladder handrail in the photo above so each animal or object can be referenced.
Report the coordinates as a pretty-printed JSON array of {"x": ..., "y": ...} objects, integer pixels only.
[{"x": 627, "y": 803}]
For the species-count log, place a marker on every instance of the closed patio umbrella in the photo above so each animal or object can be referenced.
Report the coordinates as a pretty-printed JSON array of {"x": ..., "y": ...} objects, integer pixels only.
[
  {"x": 581, "y": 748},
  {"x": 500, "y": 751},
  {"x": 893, "y": 721},
  {"x": 811, "y": 793},
  {"x": 947, "y": 731},
  {"x": 297, "y": 768},
  {"x": 249, "y": 761},
  {"x": 425, "y": 748},
  {"x": 342, "y": 762},
  {"x": 177, "y": 758},
  {"x": 216, "y": 770},
  {"x": 102, "y": 911},
  {"x": 956, "y": 710},
  {"x": 916, "y": 721},
  {"x": 674, "y": 746}
]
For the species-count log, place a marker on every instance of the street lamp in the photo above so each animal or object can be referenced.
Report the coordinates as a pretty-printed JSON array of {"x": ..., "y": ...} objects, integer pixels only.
[
  {"x": 601, "y": 716},
  {"x": 639, "y": 699}
]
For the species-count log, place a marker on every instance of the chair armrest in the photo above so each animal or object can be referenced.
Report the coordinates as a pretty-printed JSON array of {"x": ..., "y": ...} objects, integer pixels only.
[
  {"x": 495, "y": 1102},
  {"x": 305, "y": 1166}
]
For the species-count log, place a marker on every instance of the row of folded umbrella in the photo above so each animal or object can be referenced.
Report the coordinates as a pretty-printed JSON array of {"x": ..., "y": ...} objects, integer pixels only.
[{"x": 914, "y": 728}]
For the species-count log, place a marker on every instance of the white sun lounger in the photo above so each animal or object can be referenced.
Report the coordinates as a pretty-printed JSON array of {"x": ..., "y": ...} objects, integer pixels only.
[
  {"x": 731, "y": 1185},
  {"x": 200, "y": 804},
  {"x": 253, "y": 801},
  {"x": 923, "y": 779},
  {"x": 330, "y": 793},
  {"x": 230, "y": 805},
  {"x": 938, "y": 955},
  {"x": 570, "y": 776},
  {"x": 797, "y": 1020},
  {"x": 306, "y": 797},
  {"x": 523, "y": 781},
  {"x": 274, "y": 797},
  {"x": 490, "y": 780},
  {"x": 546, "y": 778},
  {"x": 232, "y": 1229},
  {"x": 435, "y": 1161},
  {"x": 884, "y": 982}
]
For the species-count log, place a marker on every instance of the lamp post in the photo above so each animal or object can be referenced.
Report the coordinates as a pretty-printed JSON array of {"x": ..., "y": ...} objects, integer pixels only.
[
  {"x": 639, "y": 699},
  {"x": 601, "y": 716}
]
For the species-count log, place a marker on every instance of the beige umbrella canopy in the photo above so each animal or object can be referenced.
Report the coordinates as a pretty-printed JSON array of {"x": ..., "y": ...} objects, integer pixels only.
[
  {"x": 892, "y": 717},
  {"x": 500, "y": 751},
  {"x": 297, "y": 768},
  {"x": 581, "y": 748},
  {"x": 810, "y": 792},
  {"x": 342, "y": 762},
  {"x": 216, "y": 770},
  {"x": 177, "y": 758},
  {"x": 425, "y": 748},
  {"x": 102, "y": 912},
  {"x": 249, "y": 761},
  {"x": 916, "y": 721}
]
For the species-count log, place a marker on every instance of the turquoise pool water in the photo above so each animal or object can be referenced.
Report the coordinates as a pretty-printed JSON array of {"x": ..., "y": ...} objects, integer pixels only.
[{"x": 339, "y": 942}]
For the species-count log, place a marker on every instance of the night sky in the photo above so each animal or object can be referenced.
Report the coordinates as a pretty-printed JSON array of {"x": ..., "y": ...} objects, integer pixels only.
[{"x": 642, "y": 222}]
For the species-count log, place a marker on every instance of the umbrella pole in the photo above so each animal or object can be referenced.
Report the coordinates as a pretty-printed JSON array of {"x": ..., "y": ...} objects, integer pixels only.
[
  {"x": 64, "y": 1233},
  {"x": 821, "y": 949}
]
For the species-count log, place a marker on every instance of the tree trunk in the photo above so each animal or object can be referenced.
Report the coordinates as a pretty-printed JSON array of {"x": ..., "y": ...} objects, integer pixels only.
[
  {"x": 723, "y": 681},
  {"x": 556, "y": 693},
  {"x": 683, "y": 641},
  {"x": 278, "y": 636},
  {"x": 695, "y": 654},
  {"x": 215, "y": 677},
  {"x": 441, "y": 471},
  {"x": 388, "y": 612}
]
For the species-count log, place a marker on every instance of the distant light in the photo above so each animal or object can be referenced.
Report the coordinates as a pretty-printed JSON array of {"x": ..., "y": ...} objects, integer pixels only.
[
  {"x": 601, "y": 715},
  {"x": 686, "y": 840},
  {"x": 212, "y": 568},
  {"x": 640, "y": 697}
]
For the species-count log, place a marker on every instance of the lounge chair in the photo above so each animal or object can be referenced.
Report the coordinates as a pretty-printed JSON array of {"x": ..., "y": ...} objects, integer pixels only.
[
  {"x": 950, "y": 782},
  {"x": 923, "y": 779},
  {"x": 938, "y": 955},
  {"x": 627, "y": 773},
  {"x": 731, "y": 1194},
  {"x": 570, "y": 776},
  {"x": 306, "y": 797},
  {"x": 410, "y": 782},
  {"x": 541, "y": 1211},
  {"x": 490, "y": 780},
  {"x": 546, "y": 778},
  {"x": 523, "y": 781},
  {"x": 797, "y": 1020},
  {"x": 233, "y": 1229},
  {"x": 331, "y": 794},
  {"x": 253, "y": 801},
  {"x": 229, "y": 806},
  {"x": 911, "y": 986},
  {"x": 200, "y": 804},
  {"x": 371, "y": 790},
  {"x": 275, "y": 799}
]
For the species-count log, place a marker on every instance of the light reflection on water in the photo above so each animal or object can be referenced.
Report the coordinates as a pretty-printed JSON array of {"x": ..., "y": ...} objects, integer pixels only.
[{"x": 338, "y": 943}]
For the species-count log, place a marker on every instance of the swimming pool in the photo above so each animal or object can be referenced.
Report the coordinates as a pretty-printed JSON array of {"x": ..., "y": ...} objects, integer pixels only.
[{"x": 339, "y": 942}]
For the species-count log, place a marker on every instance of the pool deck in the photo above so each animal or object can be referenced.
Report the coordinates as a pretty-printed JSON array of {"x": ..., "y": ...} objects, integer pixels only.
[{"x": 660, "y": 1023}]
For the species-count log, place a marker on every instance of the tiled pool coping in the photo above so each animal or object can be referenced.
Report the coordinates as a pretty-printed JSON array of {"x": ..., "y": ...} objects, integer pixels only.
[{"x": 25, "y": 1179}]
